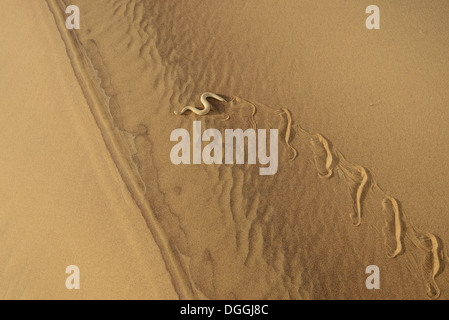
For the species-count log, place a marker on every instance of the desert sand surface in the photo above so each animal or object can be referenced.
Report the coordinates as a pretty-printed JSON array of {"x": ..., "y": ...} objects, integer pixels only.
[
  {"x": 62, "y": 199},
  {"x": 361, "y": 180}
]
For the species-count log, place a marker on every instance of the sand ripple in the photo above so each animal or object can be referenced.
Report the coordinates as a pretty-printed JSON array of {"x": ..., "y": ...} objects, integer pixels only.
[{"x": 225, "y": 231}]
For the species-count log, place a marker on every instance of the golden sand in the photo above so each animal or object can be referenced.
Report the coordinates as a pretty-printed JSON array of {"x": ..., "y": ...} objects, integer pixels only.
[
  {"x": 310, "y": 69},
  {"x": 63, "y": 201}
]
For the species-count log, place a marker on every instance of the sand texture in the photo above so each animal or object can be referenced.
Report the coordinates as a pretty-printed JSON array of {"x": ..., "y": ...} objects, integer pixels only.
[
  {"x": 362, "y": 119},
  {"x": 62, "y": 200}
]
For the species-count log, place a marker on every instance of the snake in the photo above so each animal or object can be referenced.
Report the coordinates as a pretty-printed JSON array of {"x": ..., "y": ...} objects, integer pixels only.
[{"x": 206, "y": 104}]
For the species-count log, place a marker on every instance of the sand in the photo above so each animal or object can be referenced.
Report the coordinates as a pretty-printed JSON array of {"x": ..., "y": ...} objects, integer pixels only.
[
  {"x": 362, "y": 121},
  {"x": 63, "y": 201}
]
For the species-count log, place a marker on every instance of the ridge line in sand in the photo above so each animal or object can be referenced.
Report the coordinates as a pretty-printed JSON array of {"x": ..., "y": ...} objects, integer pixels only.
[
  {"x": 114, "y": 142},
  {"x": 358, "y": 178}
]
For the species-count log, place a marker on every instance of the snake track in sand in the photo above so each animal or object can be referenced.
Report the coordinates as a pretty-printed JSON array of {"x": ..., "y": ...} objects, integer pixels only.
[{"x": 206, "y": 104}]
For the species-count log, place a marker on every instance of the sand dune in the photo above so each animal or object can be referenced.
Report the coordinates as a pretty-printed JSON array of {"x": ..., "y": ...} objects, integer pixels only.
[
  {"x": 282, "y": 236},
  {"x": 63, "y": 201},
  {"x": 361, "y": 117}
]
